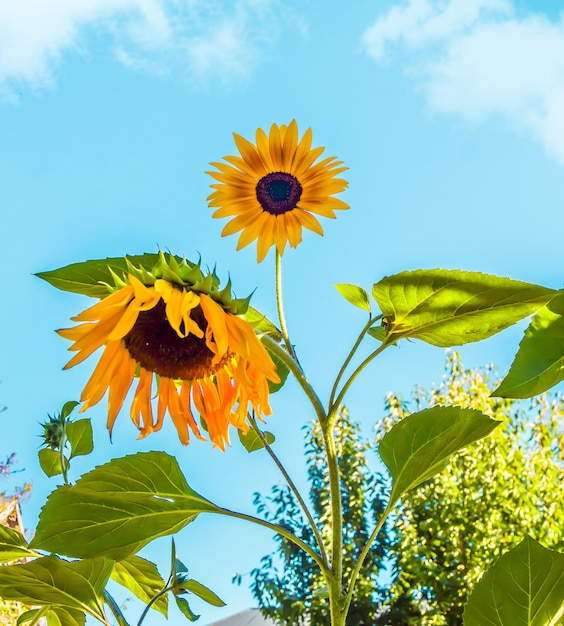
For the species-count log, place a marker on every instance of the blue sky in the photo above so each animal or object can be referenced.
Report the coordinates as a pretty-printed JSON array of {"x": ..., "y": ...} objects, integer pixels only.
[{"x": 450, "y": 116}]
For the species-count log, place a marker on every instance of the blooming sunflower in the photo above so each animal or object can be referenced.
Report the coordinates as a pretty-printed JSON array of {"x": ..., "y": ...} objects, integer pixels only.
[
  {"x": 185, "y": 335},
  {"x": 275, "y": 188}
]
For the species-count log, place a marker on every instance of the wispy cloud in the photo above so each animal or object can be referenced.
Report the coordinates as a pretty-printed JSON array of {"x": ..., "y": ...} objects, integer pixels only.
[
  {"x": 208, "y": 38},
  {"x": 478, "y": 58}
]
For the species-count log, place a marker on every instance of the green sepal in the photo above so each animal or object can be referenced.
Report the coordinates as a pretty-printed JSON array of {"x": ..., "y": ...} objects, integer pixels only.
[{"x": 185, "y": 609}]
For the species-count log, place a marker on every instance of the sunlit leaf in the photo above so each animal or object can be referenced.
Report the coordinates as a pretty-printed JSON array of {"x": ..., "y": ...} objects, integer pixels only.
[
  {"x": 50, "y": 461},
  {"x": 13, "y": 545},
  {"x": 46, "y": 581},
  {"x": 419, "y": 446},
  {"x": 142, "y": 578},
  {"x": 281, "y": 369},
  {"x": 452, "y": 307},
  {"x": 185, "y": 609},
  {"x": 260, "y": 322},
  {"x": 524, "y": 587},
  {"x": 193, "y": 586},
  {"x": 68, "y": 408},
  {"x": 119, "y": 507},
  {"x": 79, "y": 434},
  {"x": 539, "y": 363},
  {"x": 355, "y": 295},
  {"x": 251, "y": 441}
]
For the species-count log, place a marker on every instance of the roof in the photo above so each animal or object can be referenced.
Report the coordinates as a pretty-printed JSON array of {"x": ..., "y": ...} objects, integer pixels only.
[{"x": 250, "y": 617}]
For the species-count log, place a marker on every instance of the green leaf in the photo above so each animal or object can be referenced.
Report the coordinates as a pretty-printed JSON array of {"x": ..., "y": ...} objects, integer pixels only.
[
  {"x": 281, "y": 369},
  {"x": 142, "y": 578},
  {"x": 355, "y": 295},
  {"x": 193, "y": 586},
  {"x": 451, "y": 307},
  {"x": 119, "y": 507},
  {"x": 419, "y": 446},
  {"x": 59, "y": 615},
  {"x": 68, "y": 408},
  {"x": 524, "y": 587},
  {"x": 79, "y": 435},
  {"x": 539, "y": 363},
  {"x": 13, "y": 545},
  {"x": 185, "y": 609},
  {"x": 46, "y": 581},
  {"x": 50, "y": 461},
  {"x": 261, "y": 323},
  {"x": 251, "y": 441}
]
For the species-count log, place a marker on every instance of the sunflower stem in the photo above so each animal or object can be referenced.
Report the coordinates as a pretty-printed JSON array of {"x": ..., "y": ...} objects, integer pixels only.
[
  {"x": 280, "y": 306},
  {"x": 279, "y": 530},
  {"x": 114, "y": 608},
  {"x": 152, "y": 601},
  {"x": 363, "y": 554},
  {"x": 298, "y": 373},
  {"x": 292, "y": 486},
  {"x": 357, "y": 343},
  {"x": 334, "y": 407},
  {"x": 336, "y": 580}
]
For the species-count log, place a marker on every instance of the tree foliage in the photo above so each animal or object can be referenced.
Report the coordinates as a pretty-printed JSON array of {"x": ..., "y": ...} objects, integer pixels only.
[{"x": 449, "y": 530}]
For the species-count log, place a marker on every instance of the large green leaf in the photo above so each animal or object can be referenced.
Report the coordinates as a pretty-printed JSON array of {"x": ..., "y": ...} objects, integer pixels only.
[
  {"x": 451, "y": 307},
  {"x": 539, "y": 363},
  {"x": 79, "y": 434},
  {"x": 419, "y": 446},
  {"x": 525, "y": 587},
  {"x": 55, "y": 616},
  {"x": 142, "y": 578},
  {"x": 50, "y": 581},
  {"x": 13, "y": 545},
  {"x": 119, "y": 507}
]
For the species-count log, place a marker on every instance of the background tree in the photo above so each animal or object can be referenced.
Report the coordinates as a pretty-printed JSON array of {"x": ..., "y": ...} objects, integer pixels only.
[
  {"x": 502, "y": 488},
  {"x": 447, "y": 531},
  {"x": 287, "y": 584}
]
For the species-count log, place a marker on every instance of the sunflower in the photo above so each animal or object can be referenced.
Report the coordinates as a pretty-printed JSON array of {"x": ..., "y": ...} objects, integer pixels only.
[
  {"x": 199, "y": 352},
  {"x": 275, "y": 188}
]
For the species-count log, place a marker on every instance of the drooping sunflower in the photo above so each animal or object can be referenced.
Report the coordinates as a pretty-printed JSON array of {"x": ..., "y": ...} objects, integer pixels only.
[
  {"x": 173, "y": 326},
  {"x": 275, "y": 188}
]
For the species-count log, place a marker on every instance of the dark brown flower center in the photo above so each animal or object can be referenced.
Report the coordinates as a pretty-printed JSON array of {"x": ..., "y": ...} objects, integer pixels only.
[
  {"x": 278, "y": 192},
  {"x": 158, "y": 348}
]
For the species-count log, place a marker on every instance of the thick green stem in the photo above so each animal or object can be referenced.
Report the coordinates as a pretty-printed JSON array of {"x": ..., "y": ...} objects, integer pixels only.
[
  {"x": 296, "y": 370},
  {"x": 336, "y": 582},
  {"x": 292, "y": 486}
]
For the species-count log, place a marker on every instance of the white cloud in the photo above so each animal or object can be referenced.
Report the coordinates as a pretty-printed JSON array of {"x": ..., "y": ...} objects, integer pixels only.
[
  {"x": 202, "y": 36},
  {"x": 476, "y": 58}
]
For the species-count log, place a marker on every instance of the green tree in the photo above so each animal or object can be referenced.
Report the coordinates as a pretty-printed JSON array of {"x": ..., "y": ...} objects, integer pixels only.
[
  {"x": 287, "y": 585},
  {"x": 446, "y": 532},
  {"x": 450, "y": 529}
]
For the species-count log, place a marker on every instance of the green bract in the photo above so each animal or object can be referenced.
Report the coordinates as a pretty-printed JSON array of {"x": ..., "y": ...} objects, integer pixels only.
[{"x": 102, "y": 277}]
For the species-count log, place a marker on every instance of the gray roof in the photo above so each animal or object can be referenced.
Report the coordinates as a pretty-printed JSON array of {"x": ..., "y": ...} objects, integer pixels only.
[{"x": 250, "y": 617}]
